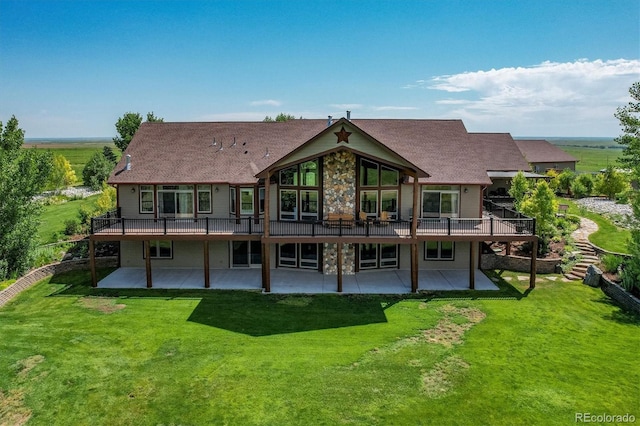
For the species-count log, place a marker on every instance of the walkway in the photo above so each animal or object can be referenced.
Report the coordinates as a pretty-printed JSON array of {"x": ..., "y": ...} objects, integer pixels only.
[
  {"x": 395, "y": 281},
  {"x": 588, "y": 254}
]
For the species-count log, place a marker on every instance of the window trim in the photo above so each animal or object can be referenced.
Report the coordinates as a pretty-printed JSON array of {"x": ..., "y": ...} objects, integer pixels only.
[
  {"x": 247, "y": 212},
  {"x": 439, "y": 248},
  {"x": 157, "y": 246},
  {"x": 204, "y": 189},
  {"x": 153, "y": 198}
]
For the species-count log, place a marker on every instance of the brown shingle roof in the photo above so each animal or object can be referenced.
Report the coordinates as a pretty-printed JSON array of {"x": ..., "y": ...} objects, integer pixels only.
[
  {"x": 499, "y": 152},
  {"x": 183, "y": 152},
  {"x": 541, "y": 151}
]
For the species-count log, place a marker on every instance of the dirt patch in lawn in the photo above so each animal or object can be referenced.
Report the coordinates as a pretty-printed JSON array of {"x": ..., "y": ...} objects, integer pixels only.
[
  {"x": 105, "y": 305},
  {"x": 24, "y": 366},
  {"x": 440, "y": 379},
  {"x": 453, "y": 325},
  {"x": 12, "y": 409}
]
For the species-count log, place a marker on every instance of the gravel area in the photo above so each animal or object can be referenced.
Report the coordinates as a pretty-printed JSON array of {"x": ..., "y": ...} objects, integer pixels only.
[
  {"x": 608, "y": 208},
  {"x": 72, "y": 192}
]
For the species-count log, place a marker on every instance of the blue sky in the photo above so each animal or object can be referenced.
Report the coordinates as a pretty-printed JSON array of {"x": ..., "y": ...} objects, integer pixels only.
[{"x": 531, "y": 68}]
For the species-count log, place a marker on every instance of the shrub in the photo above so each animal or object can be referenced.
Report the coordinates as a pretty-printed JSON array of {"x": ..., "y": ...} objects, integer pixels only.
[
  {"x": 611, "y": 263},
  {"x": 72, "y": 227},
  {"x": 578, "y": 189},
  {"x": 96, "y": 171}
]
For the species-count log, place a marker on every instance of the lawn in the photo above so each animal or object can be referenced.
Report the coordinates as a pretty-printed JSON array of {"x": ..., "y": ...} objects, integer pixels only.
[
  {"x": 75, "y": 355},
  {"x": 608, "y": 236},
  {"x": 77, "y": 153},
  {"x": 593, "y": 159},
  {"x": 53, "y": 218}
]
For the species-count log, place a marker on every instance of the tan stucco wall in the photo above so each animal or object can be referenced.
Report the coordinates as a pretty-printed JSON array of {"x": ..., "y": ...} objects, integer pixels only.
[{"x": 460, "y": 261}]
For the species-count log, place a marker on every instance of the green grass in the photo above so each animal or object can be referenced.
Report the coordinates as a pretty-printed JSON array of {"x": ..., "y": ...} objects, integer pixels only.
[
  {"x": 608, "y": 236},
  {"x": 593, "y": 159},
  {"x": 75, "y": 355},
  {"x": 77, "y": 153},
  {"x": 54, "y": 216}
]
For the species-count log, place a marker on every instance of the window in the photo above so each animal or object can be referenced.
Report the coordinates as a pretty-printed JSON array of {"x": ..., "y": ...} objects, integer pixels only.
[
  {"x": 378, "y": 256},
  {"x": 441, "y": 201},
  {"x": 289, "y": 176},
  {"x": 232, "y": 200},
  {"x": 309, "y": 173},
  {"x": 175, "y": 201},
  {"x": 246, "y": 200},
  {"x": 159, "y": 249},
  {"x": 368, "y": 173},
  {"x": 389, "y": 203},
  {"x": 288, "y": 204},
  {"x": 147, "y": 201},
  {"x": 388, "y": 176},
  {"x": 261, "y": 199},
  {"x": 204, "y": 198},
  {"x": 369, "y": 202},
  {"x": 438, "y": 250},
  {"x": 309, "y": 205}
]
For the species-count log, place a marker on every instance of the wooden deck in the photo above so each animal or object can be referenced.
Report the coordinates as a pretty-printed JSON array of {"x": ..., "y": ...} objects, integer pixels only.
[{"x": 443, "y": 227}]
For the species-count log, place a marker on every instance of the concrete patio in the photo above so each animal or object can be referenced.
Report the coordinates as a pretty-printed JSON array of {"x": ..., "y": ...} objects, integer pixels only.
[{"x": 390, "y": 281}]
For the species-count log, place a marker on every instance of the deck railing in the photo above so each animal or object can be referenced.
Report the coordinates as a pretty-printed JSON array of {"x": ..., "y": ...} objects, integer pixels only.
[{"x": 489, "y": 226}]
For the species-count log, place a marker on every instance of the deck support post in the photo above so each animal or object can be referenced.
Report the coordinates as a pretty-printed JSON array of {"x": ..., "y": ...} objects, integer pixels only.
[
  {"x": 147, "y": 262},
  {"x": 534, "y": 256},
  {"x": 92, "y": 263},
  {"x": 207, "y": 278},
  {"x": 414, "y": 267},
  {"x": 416, "y": 213},
  {"x": 266, "y": 271},
  {"x": 472, "y": 265},
  {"x": 339, "y": 253}
]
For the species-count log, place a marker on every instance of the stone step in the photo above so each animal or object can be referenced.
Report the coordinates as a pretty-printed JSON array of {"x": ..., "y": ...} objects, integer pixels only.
[{"x": 572, "y": 277}]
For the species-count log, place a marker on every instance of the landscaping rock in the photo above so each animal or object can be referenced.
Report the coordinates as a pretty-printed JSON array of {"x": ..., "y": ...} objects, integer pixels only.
[{"x": 592, "y": 278}]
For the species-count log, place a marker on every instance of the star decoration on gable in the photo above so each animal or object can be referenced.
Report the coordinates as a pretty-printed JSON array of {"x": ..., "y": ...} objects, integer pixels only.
[{"x": 343, "y": 135}]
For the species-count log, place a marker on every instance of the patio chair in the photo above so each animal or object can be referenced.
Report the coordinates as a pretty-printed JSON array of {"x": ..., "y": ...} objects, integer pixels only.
[{"x": 384, "y": 219}]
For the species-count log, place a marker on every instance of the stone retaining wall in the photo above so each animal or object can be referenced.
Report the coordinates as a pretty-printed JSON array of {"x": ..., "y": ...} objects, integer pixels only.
[
  {"x": 518, "y": 263},
  {"x": 43, "y": 272},
  {"x": 626, "y": 300}
]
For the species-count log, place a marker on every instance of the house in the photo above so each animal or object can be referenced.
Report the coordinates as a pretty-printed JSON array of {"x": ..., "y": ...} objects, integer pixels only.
[
  {"x": 543, "y": 155},
  {"x": 502, "y": 160},
  {"x": 338, "y": 197}
]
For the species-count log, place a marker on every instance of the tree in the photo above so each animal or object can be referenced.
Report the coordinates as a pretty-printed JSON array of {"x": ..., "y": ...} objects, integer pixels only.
[
  {"x": 62, "y": 175},
  {"x": 109, "y": 155},
  {"x": 629, "y": 117},
  {"x": 280, "y": 117},
  {"x": 542, "y": 206},
  {"x": 519, "y": 188},
  {"x": 128, "y": 124},
  {"x": 611, "y": 182},
  {"x": 96, "y": 171},
  {"x": 23, "y": 174},
  {"x": 565, "y": 179}
]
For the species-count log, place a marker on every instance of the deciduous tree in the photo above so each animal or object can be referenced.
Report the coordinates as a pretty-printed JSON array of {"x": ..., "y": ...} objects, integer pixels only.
[
  {"x": 23, "y": 174},
  {"x": 542, "y": 206},
  {"x": 127, "y": 125},
  {"x": 96, "y": 171},
  {"x": 62, "y": 175},
  {"x": 519, "y": 188},
  {"x": 610, "y": 182}
]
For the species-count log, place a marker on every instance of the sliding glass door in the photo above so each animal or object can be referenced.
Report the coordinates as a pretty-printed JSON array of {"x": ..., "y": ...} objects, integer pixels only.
[{"x": 175, "y": 201}]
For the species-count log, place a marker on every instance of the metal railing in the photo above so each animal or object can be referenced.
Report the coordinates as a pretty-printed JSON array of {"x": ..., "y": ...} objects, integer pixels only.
[{"x": 489, "y": 226}]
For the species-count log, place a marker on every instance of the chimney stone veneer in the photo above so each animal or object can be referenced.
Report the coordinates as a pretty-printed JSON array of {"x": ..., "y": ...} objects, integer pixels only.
[{"x": 339, "y": 188}]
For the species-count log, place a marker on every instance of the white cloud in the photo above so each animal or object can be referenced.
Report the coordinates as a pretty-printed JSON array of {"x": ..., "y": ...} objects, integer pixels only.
[
  {"x": 346, "y": 106},
  {"x": 269, "y": 102},
  {"x": 573, "y": 98}
]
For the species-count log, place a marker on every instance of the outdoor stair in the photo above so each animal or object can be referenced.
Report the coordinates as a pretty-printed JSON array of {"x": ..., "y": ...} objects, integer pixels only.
[{"x": 588, "y": 257}]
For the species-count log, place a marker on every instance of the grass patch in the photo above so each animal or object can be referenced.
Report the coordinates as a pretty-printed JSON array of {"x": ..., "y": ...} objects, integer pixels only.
[
  {"x": 608, "y": 236},
  {"x": 593, "y": 159},
  {"x": 53, "y": 217},
  {"x": 219, "y": 357},
  {"x": 77, "y": 153},
  {"x": 6, "y": 283}
]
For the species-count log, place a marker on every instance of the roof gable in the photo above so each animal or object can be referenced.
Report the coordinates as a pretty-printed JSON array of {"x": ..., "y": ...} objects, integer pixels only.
[{"x": 542, "y": 151}]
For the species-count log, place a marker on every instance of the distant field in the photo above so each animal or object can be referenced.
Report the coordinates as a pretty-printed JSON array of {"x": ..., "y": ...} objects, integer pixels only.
[
  {"x": 593, "y": 159},
  {"x": 77, "y": 153},
  {"x": 585, "y": 142}
]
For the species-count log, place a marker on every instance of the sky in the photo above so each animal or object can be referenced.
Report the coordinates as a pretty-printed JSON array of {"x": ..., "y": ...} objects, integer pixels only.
[{"x": 529, "y": 68}]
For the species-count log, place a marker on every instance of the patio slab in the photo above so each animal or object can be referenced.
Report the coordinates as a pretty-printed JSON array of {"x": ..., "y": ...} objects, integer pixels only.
[{"x": 287, "y": 281}]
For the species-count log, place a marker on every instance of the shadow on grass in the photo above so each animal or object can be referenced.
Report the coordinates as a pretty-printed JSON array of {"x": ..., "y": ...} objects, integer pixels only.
[
  {"x": 257, "y": 314},
  {"x": 619, "y": 315}
]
